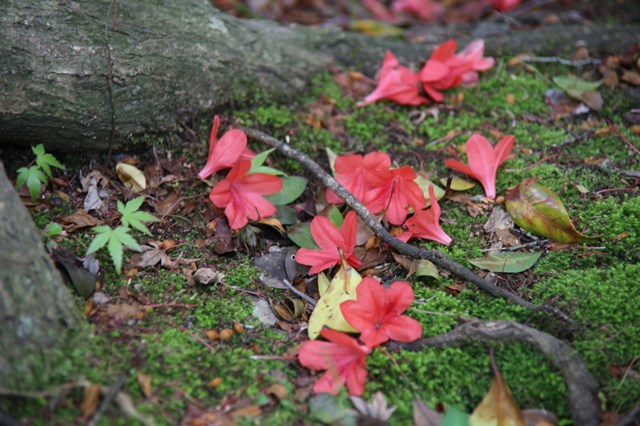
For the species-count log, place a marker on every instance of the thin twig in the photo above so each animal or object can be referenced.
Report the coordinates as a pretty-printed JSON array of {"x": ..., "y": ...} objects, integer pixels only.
[
  {"x": 310, "y": 300},
  {"x": 112, "y": 101},
  {"x": 113, "y": 391},
  {"x": 170, "y": 305},
  {"x": 581, "y": 386},
  {"x": 197, "y": 339},
  {"x": 403, "y": 248},
  {"x": 555, "y": 60},
  {"x": 615, "y": 130}
]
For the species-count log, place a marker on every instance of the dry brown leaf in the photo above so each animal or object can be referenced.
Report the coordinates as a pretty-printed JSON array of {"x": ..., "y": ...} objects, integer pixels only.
[
  {"x": 631, "y": 77},
  {"x": 277, "y": 390},
  {"x": 498, "y": 407},
  {"x": 90, "y": 400},
  {"x": 252, "y": 410},
  {"x": 144, "y": 381},
  {"x": 131, "y": 177}
]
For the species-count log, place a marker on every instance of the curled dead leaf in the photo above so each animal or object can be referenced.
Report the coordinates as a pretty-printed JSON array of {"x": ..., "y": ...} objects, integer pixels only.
[{"x": 131, "y": 177}]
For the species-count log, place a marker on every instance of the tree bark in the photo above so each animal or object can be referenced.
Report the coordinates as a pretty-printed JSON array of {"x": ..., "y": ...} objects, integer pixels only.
[
  {"x": 36, "y": 310},
  {"x": 77, "y": 76}
]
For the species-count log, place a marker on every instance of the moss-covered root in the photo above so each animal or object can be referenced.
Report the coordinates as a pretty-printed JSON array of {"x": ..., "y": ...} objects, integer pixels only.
[{"x": 582, "y": 387}]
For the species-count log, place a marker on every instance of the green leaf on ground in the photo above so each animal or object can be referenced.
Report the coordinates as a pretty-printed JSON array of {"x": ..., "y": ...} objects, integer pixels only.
[
  {"x": 582, "y": 90},
  {"x": 115, "y": 240},
  {"x": 301, "y": 235},
  {"x": 132, "y": 216},
  {"x": 508, "y": 263},
  {"x": 33, "y": 177},
  {"x": 45, "y": 161},
  {"x": 455, "y": 417},
  {"x": 292, "y": 188}
]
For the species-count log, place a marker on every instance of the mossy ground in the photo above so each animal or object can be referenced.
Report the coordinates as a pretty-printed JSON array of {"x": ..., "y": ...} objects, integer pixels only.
[{"x": 596, "y": 286}]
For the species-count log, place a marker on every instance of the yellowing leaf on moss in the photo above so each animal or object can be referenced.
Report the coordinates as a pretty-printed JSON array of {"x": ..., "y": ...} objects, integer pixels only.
[
  {"x": 538, "y": 210},
  {"x": 327, "y": 311},
  {"x": 498, "y": 407},
  {"x": 131, "y": 176},
  {"x": 458, "y": 184}
]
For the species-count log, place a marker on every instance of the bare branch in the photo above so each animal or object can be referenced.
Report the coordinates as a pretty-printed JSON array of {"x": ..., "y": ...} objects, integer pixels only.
[{"x": 403, "y": 248}]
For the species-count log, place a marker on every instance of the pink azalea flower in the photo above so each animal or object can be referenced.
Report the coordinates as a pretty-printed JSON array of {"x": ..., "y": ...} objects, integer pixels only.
[
  {"x": 471, "y": 61},
  {"x": 342, "y": 357},
  {"x": 377, "y": 312},
  {"x": 334, "y": 244},
  {"x": 241, "y": 194},
  {"x": 484, "y": 161},
  {"x": 437, "y": 74},
  {"x": 426, "y": 223},
  {"x": 225, "y": 152},
  {"x": 360, "y": 174},
  {"x": 397, "y": 84},
  {"x": 504, "y": 5},
  {"x": 426, "y": 10},
  {"x": 399, "y": 193}
]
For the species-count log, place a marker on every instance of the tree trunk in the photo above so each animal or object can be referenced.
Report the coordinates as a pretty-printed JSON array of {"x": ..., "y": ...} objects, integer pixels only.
[
  {"x": 36, "y": 310},
  {"x": 77, "y": 76}
]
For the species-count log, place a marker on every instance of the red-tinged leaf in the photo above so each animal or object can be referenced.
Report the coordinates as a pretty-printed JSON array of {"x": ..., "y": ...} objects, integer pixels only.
[
  {"x": 538, "y": 210},
  {"x": 498, "y": 407}
]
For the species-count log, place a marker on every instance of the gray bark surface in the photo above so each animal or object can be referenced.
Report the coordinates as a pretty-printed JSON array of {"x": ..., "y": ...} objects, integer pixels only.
[
  {"x": 173, "y": 60},
  {"x": 37, "y": 314}
]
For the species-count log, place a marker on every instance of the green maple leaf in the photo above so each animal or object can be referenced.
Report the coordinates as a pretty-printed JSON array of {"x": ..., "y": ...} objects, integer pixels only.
[
  {"x": 115, "y": 240},
  {"x": 131, "y": 216},
  {"x": 45, "y": 161},
  {"x": 33, "y": 177}
]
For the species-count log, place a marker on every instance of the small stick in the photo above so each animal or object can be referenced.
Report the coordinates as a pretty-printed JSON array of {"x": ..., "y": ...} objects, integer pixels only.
[
  {"x": 113, "y": 391},
  {"x": 623, "y": 137},
  {"x": 403, "y": 248},
  {"x": 310, "y": 300}
]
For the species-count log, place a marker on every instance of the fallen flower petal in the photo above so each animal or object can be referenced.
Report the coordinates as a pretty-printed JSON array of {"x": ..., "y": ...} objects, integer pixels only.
[
  {"x": 426, "y": 10},
  {"x": 471, "y": 61},
  {"x": 241, "y": 194},
  {"x": 426, "y": 223},
  {"x": 484, "y": 161},
  {"x": 342, "y": 357},
  {"x": 400, "y": 192},
  {"x": 397, "y": 84},
  {"x": 360, "y": 174},
  {"x": 377, "y": 312},
  {"x": 224, "y": 153},
  {"x": 334, "y": 244}
]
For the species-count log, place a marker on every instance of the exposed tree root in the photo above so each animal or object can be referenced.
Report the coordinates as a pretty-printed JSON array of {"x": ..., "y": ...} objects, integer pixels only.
[
  {"x": 582, "y": 387},
  {"x": 434, "y": 256}
]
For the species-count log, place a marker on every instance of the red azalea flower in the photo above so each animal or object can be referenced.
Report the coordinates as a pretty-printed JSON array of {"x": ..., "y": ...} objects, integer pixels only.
[
  {"x": 225, "y": 152},
  {"x": 334, "y": 244},
  {"x": 426, "y": 10},
  {"x": 241, "y": 194},
  {"x": 426, "y": 223},
  {"x": 484, "y": 161},
  {"x": 399, "y": 193},
  {"x": 342, "y": 357},
  {"x": 471, "y": 61},
  {"x": 437, "y": 73},
  {"x": 376, "y": 312},
  {"x": 360, "y": 174},
  {"x": 504, "y": 5},
  {"x": 397, "y": 84}
]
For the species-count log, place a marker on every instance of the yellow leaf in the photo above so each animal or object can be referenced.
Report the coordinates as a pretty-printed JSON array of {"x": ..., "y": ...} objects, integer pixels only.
[
  {"x": 90, "y": 400},
  {"x": 498, "y": 407},
  {"x": 131, "y": 177},
  {"x": 323, "y": 283},
  {"x": 327, "y": 312},
  {"x": 458, "y": 184}
]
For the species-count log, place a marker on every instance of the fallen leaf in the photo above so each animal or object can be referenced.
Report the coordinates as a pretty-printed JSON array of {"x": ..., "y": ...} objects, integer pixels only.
[
  {"x": 292, "y": 188},
  {"x": 288, "y": 309},
  {"x": 498, "y": 407},
  {"x": 631, "y": 77},
  {"x": 457, "y": 184},
  {"x": 419, "y": 267},
  {"x": 125, "y": 311},
  {"x": 327, "y": 311},
  {"x": 131, "y": 177},
  {"x": 79, "y": 219},
  {"x": 508, "y": 263},
  {"x": 207, "y": 276},
  {"x": 93, "y": 201},
  {"x": 376, "y": 410},
  {"x": 144, "y": 381},
  {"x": 277, "y": 390},
  {"x": 581, "y": 90},
  {"x": 538, "y": 210},
  {"x": 223, "y": 238},
  {"x": 154, "y": 254},
  {"x": 90, "y": 400},
  {"x": 425, "y": 416}
]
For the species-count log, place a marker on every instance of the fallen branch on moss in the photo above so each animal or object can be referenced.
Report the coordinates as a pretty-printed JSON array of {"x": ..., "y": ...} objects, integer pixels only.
[
  {"x": 434, "y": 256},
  {"x": 582, "y": 387}
]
